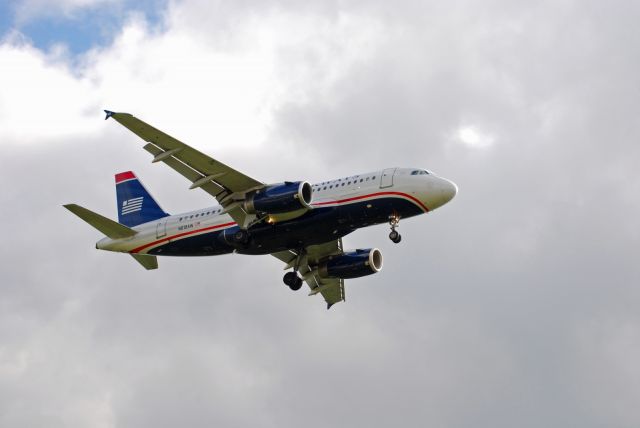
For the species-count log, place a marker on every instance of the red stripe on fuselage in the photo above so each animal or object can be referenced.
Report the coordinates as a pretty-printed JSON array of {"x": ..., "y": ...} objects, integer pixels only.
[
  {"x": 124, "y": 176},
  {"x": 180, "y": 235},
  {"x": 356, "y": 198}
]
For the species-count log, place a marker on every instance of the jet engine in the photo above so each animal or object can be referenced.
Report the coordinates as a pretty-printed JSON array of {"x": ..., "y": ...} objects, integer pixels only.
[
  {"x": 279, "y": 198},
  {"x": 352, "y": 264}
]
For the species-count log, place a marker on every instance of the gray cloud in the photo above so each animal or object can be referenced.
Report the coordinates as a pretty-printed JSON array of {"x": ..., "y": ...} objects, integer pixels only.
[{"x": 515, "y": 305}]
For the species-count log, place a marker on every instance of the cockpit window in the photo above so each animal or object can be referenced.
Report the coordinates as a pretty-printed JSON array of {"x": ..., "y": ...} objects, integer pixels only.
[{"x": 419, "y": 172}]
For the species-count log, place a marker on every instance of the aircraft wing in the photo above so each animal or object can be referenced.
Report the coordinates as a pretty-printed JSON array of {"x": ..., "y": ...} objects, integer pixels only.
[
  {"x": 332, "y": 289},
  {"x": 222, "y": 182}
]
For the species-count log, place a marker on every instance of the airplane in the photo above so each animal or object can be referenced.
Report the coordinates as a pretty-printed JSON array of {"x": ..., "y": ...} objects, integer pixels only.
[{"x": 299, "y": 223}]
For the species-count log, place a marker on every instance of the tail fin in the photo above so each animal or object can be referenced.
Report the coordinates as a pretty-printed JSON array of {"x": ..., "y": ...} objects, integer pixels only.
[{"x": 135, "y": 203}]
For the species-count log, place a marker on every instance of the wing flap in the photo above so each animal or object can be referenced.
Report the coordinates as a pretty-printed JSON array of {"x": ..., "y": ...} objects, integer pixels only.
[{"x": 187, "y": 172}]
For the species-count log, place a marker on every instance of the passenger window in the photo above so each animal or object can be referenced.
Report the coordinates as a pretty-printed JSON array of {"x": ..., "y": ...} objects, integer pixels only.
[
  {"x": 361, "y": 180},
  {"x": 373, "y": 178},
  {"x": 191, "y": 216}
]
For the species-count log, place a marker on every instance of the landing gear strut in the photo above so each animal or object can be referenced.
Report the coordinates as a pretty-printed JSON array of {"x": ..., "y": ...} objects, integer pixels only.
[
  {"x": 394, "y": 221},
  {"x": 291, "y": 278}
]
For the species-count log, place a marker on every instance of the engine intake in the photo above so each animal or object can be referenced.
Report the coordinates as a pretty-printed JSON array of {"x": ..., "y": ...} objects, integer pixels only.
[
  {"x": 352, "y": 264},
  {"x": 279, "y": 198}
]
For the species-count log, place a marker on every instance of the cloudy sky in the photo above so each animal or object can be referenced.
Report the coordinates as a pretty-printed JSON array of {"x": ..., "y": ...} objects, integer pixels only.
[{"x": 515, "y": 305}]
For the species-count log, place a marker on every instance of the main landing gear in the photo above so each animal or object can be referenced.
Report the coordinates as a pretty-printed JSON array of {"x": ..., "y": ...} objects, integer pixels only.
[
  {"x": 394, "y": 221},
  {"x": 292, "y": 279}
]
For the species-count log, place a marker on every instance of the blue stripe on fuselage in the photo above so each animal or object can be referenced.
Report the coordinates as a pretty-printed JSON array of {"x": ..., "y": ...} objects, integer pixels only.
[{"x": 319, "y": 225}]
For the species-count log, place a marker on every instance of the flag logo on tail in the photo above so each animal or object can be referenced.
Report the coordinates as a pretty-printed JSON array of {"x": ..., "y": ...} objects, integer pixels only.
[{"x": 132, "y": 205}]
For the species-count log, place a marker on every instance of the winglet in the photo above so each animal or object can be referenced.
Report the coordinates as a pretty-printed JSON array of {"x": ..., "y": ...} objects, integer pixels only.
[{"x": 109, "y": 114}]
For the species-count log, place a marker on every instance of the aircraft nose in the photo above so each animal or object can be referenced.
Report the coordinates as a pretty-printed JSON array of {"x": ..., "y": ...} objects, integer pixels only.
[{"x": 448, "y": 190}]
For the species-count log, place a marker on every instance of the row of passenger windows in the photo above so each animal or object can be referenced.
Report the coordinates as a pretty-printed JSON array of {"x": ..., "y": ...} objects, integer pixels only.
[
  {"x": 318, "y": 187},
  {"x": 189, "y": 217},
  {"x": 341, "y": 182}
]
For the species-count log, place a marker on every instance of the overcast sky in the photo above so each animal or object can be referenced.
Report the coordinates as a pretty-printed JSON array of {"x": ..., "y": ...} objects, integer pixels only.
[{"x": 516, "y": 305}]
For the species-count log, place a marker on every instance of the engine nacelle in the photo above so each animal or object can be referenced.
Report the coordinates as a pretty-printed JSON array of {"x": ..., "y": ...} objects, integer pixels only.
[
  {"x": 352, "y": 264},
  {"x": 234, "y": 236},
  {"x": 279, "y": 198}
]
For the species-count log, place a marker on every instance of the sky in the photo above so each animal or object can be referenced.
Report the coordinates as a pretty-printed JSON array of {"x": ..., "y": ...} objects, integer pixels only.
[{"x": 516, "y": 304}]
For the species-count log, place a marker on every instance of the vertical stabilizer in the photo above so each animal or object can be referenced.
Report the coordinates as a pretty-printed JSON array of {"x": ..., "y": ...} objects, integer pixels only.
[{"x": 135, "y": 203}]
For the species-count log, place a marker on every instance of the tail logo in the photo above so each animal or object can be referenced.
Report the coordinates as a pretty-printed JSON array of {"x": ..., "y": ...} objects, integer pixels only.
[{"x": 132, "y": 205}]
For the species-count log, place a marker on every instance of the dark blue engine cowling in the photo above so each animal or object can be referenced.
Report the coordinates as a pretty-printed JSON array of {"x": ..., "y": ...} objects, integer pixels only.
[
  {"x": 280, "y": 198},
  {"x": 352, "y": 264}
]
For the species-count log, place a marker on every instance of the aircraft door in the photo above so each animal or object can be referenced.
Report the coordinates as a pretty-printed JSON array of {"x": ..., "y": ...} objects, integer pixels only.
[
  {"x": 386, "y": 180},
  {"x": 161, "y": 229}
]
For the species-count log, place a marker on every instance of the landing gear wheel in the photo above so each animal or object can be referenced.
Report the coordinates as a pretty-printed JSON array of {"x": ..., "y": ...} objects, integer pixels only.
[
  {"x": 292, "y": 280},
  {"x": 394, "y": 221},
  {"x": 297, "y": 284}
]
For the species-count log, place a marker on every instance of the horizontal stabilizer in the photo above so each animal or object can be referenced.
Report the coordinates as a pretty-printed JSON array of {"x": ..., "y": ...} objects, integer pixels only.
[
  {"x": 110, "y": 228},
  {"x": 147, "y": 261}
]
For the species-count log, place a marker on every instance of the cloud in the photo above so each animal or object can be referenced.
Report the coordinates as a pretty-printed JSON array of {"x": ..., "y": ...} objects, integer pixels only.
[{"x": 513, "y": 305}]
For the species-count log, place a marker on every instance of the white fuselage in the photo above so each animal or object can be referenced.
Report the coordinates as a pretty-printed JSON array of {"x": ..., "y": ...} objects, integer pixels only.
[{"x": 423, "y": 189}]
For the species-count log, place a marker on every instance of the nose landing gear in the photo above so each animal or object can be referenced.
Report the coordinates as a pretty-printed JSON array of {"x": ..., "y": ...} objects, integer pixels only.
[{"x": 394, "y": 221}]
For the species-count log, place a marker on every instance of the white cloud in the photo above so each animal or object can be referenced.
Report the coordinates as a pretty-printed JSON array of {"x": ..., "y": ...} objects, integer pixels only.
[
  {"x": 203, "y": 95},
  {"x": 40, "y": 98}
]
